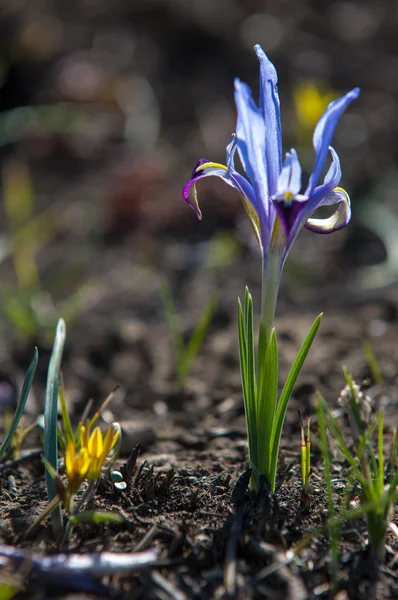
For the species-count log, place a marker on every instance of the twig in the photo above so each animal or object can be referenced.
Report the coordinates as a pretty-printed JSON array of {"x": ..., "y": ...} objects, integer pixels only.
[
  {"x": 167, "y": 587},
  {"x": 16, "y": 461},
  {"x": 231, "y": 551}
]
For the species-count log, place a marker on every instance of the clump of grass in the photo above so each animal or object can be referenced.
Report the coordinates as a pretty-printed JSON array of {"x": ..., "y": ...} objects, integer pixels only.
[{"x": 377, "y": 479}]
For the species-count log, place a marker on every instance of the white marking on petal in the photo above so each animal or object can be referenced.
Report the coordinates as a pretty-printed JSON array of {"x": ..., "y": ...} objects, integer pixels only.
[{"x": 339, "y": 219}]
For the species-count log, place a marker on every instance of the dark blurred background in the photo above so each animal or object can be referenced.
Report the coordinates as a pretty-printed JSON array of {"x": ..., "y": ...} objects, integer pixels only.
[{"x": 107, "y": 106}]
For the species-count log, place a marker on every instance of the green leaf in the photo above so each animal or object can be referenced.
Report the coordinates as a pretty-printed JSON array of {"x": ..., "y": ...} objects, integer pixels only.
[
  {"x": 95, "y": 517},
  {"x": 381, "y": 455},
  {"x": 251, "y": 377},
  {"x": 170, "y": 312},
  {"x": 266, "y": 404},
  {"x": 285, "y": 397},
  {"x": 197, "y": 338},
  {"x": 373, "y": 363},
  {"x": 50, "y": 418},
  {"x": 21, "y": 404},
  {"x": 243, "y": 363},
  {"x": 336, "y": 433},
  {"x": 68, "y": 432},
  {"x": 324, "y": 447}
]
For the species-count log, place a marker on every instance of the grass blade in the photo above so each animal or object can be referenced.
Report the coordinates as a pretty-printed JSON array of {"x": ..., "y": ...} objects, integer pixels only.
[
  {"x": 285, "y": 396},
  {"x": 21, "y": 404},
  {"x": 68, "y": 432},
  {"x": 50, "y": 418},
  {"x": 373, "y": 363},
  {"x": 324, "y": 448},
  {"x": 170, "y": 312},
  {"x": 197, "y": 337},
  {"x": 381, "y": 453}
]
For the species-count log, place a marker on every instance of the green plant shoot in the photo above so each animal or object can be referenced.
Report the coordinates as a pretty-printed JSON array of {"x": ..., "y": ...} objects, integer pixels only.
[
  {"x": 50, "y": 420},
  {"x": 305, "y": 452},
  {"x": 184, "y": 354},
  {"x": 27, "y": 384}
]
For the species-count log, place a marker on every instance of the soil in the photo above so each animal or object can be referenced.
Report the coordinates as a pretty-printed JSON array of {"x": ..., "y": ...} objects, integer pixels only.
[{"x": 119, "y": 229}]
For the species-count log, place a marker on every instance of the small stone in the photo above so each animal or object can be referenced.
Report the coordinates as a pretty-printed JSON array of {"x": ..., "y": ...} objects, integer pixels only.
[
  {"x": 117, "y": 477},
  {"x": 120, "y": 485},
  {"x": 133, "y": 434}
]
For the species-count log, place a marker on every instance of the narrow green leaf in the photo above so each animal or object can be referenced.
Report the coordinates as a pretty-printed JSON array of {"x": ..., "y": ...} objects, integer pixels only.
[
  {"x": 170, "y": 312},
  {"x": 373, "y": 363},
  {"x": 324, "y": 447},
  {"x": 68, "y": 432},
  {"x": 197, "y": 338},
  {"x": 266, "y": 404},
  {"x": 95, "y": 517},
  {"x": 381, "y": 453},
  {"x": 336, "y": 433},
  {"x": 50, "y": 418},
  {"x": 285, "y": 397},
  {"x": 242, "y": 350},
  {"x": 21, "y": 404},
  {"x": 243, "y": 369},
  {"x": 251, "y": 379}
]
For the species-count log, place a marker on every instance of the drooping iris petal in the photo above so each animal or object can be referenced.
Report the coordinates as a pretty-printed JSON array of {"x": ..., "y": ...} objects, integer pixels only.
[
  {"x": 189, "y": 192},
  {"x": 303, "y": 210},
  {"x": 339, "y": 219},
  {"x": 323, "y": 135},
  {"x": 270, "y": 107},
  {"x": 205, "y": 168}
]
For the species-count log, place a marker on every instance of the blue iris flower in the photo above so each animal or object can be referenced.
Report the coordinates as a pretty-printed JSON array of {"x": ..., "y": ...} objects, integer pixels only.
[{"x": 271, "y": 192}]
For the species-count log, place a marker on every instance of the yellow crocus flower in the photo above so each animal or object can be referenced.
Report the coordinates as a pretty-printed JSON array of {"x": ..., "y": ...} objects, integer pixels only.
[
  {"x": 98, "y": 447},
  {"x": 76, "y": 466}
]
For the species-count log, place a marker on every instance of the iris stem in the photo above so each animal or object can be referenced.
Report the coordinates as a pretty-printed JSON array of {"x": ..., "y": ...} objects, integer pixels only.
[{"x": 272, "y": 268}]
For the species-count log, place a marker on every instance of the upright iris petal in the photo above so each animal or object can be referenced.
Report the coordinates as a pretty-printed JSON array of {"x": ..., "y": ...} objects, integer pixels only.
[
  {"x": 324, "y": 132},
  {"x": 270, "y": 107}
]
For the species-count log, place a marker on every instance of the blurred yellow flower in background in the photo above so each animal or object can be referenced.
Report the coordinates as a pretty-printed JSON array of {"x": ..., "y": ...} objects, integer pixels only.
[{"x": 311, "y": 99}]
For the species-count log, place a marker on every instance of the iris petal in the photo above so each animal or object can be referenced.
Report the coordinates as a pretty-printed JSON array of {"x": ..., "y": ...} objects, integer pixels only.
[
  {"x": 290, "y": 178},
  {"x": 333, "y": 176},
  {"x": 250, "y": 140},
  {"x": 270, "y": 107},
  {"x": 339, "y": 219},
  {"x": 324, "y": 132}
]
